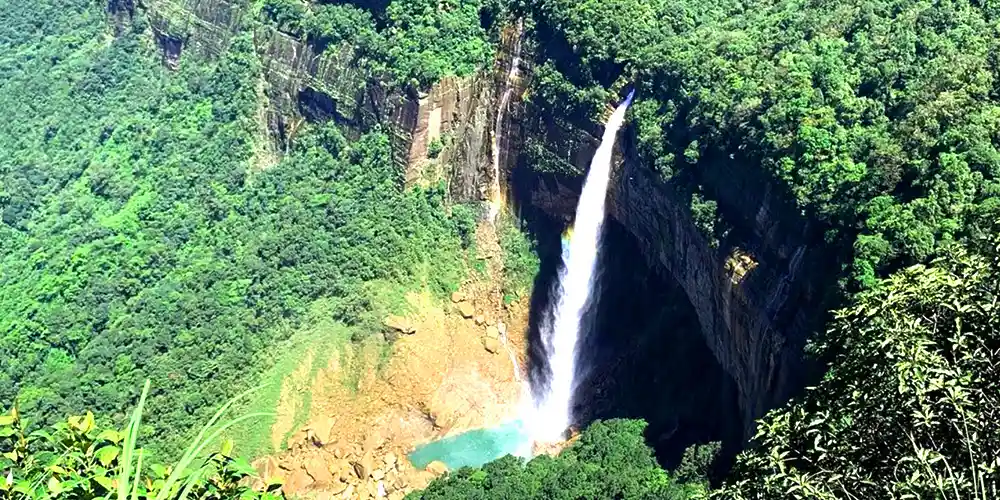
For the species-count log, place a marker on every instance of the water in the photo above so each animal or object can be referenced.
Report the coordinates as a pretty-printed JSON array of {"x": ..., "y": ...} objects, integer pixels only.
[
  {"x": 472, "y": 448},
  {"x": 546, "y": 415},
  {"x": 496, "y": 194},
  {"x": 551, "y": 413}
]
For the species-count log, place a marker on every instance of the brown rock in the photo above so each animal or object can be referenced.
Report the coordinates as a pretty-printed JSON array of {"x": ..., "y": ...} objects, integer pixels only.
[
  {"x": 492, "y": 332},
  {"x": 345, "y": 471},
  {"x": 390, "y": 460},
  {"x": 298, "y": 481},
  {"x": 362, "y": 468},
  {"x": 436, "y": 467},
  {"x": 338, "y": 487},
  {"x": 466, "y": 309},
  {"x": 318, "y": 470},
  {"x": 492, "y": 345},
  {"x": 378, "y": 474},
  {"x": 457, "y": 297},
  {"x": 480, "y": 319},
  {"x": 490, "y": 322},
  {"x": 399, "y": 324},
  {"x": 338, "y": 452}
]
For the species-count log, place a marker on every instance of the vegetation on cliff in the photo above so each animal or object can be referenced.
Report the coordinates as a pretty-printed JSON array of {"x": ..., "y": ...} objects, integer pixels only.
[
  {"x": 910, "y": 405},
  {"x": 411, "y": 42},
  {"x": 138, "y": 242},
  {"x": 877, "y": 117}
]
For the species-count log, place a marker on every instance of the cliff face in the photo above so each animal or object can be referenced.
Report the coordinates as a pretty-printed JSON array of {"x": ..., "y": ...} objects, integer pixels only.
[
  {"x": 301, "y": 85},
  {"x": 756, "y": 297}
]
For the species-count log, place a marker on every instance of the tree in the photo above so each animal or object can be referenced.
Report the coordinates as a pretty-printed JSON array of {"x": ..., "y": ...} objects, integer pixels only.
[{"x": 909, "y": 406}]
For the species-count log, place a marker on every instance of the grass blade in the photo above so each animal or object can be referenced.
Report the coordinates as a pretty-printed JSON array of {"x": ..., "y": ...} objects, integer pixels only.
[
  {"x": 128, "y": 447},
  {"x": 199, "y": 443}
]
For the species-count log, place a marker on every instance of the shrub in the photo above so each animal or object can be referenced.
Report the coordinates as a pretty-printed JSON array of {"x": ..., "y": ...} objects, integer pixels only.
[
  {"x": 910, "y": 405},
  {"x": 79, "y": 459}
]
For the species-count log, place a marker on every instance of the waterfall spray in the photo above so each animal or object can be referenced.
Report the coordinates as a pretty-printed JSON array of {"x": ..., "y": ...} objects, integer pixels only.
[{"x": 552, "y": 415}]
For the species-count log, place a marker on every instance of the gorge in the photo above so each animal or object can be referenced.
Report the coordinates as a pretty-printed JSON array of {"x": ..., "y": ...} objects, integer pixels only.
[
  {"x": 457, "y": 264},
  {"x": 754, "y": 318}
]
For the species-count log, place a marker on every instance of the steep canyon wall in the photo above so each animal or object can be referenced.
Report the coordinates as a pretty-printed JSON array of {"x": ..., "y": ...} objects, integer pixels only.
[{"x": 754, "y": 319}]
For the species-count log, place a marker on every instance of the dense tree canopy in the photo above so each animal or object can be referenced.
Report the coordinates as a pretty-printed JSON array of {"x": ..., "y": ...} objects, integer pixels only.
[
  {"x": 139, "y": 242},
  {"x": 910, "y": 405},
  {"x": 879, "y": 117},
  {"x": 409, "y": 42},
  {"x": 610, "y": 460}
]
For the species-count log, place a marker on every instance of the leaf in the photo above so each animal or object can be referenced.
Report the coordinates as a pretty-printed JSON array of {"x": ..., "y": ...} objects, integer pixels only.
[
  {"x": 110, "y": 435},
  {"x": 6, "y": 420},
  {"x": 54, "y": 486},
  {"x": 6, "y": 432},
  {"x": 227, "y": 447},
  {"x": 107, "y": 454},
  {"x": 106, "y": 482}
]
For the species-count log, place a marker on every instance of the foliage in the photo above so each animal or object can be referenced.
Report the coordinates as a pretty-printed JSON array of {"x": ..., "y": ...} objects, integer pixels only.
[
  {"x": 412, "y": 42},
  {"x": 910, "y": 405},
  {"x": 520, "y": 260},
  {"x": 138, "y": 243},
  {"x": 877, "y": 117},
  {"x": 610, "y": 460},
  {"x": 79, "y": 459},
  {"x": 435, "y": 147}
]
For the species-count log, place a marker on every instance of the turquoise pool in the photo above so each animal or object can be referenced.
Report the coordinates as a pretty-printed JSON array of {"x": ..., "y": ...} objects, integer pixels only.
[{"x": 472, "y": 448}]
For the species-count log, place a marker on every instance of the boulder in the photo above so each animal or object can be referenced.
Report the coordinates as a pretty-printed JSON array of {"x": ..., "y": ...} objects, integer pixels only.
[
  {"x": 322, "y": 430},
  {"x": 298, "y": 481},
  {"x": 373, "y": 441},
  {"x": 346, "y": 472},
  {"x": 492, "y": 345},
  {"x": 362, "y": 468},
  {"x": 319, "y": 471},
  {"x": 457, "y": 297},
  {"x": 466, "y": 309},
  {"x": 492, "y": 332},
  {"x": 399, "y": 324},
  {"x": 338, "y": 487},
  {"x": 436, "y": 467}
]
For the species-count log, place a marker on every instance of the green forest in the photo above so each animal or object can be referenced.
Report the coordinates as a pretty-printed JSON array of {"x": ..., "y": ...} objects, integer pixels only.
[
  {"x": 146, "y": 235},
  {"x": 140, "y": 243}
]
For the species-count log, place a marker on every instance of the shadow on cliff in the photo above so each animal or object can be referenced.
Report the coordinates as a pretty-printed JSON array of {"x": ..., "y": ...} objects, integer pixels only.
[{"x": 642, "y": 353}]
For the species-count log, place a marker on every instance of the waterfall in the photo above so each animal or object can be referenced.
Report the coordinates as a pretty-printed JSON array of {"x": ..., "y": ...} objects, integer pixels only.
[
  {"x": 552, "y": 405},
  {"x": 496, "y": 194}
]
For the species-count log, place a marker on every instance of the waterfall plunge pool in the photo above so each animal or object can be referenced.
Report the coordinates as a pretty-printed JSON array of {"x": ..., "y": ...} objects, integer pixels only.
[{"x": 474, "y": 448}]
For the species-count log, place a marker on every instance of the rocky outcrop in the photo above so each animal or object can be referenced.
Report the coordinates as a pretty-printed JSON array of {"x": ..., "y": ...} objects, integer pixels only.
[
  {"x": 754, "y": 315},
  {"x": 755, "y": 321}
]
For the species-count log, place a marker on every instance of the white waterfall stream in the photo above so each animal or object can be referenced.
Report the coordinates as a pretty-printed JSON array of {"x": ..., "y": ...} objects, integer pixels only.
[
  {"x": 551, "y": 414},
  {"x": 496, "y": 194}
]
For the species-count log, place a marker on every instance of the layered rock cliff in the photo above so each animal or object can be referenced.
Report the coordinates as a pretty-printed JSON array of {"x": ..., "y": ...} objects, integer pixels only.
[{"x": 756, "y": 296}]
